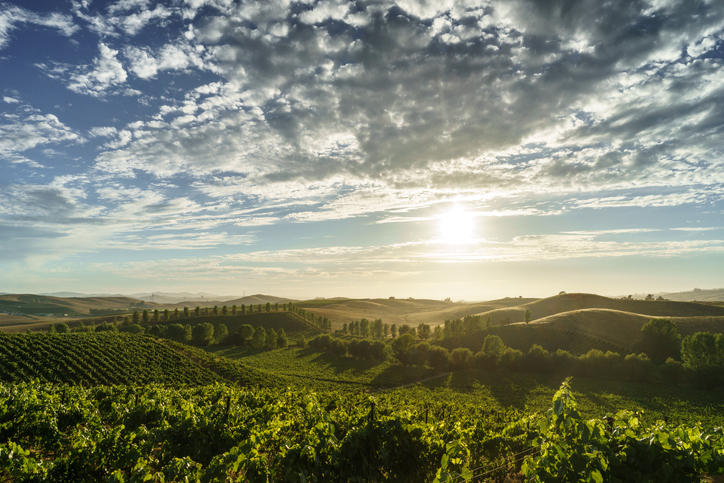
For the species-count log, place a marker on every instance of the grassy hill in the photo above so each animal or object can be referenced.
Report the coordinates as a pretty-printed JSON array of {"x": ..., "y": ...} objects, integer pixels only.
[
  {"x": 580, "y": 301},
  {"x": 402, "y": 311},
  {"x": 30, "y": 304}
]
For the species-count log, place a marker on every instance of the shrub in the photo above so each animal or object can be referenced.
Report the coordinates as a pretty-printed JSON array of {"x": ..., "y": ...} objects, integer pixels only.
[
  {"x": 461, "y": 359},
  {"x": 321, "y": 342},
  {"x": 338, "y": 347},
  {"x": 511, "y": 360},
  {"x": 438, "y": 357}
]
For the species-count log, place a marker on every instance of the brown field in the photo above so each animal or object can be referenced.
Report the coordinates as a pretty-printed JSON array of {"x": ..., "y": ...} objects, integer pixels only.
[{"x": 404, "y": 311}]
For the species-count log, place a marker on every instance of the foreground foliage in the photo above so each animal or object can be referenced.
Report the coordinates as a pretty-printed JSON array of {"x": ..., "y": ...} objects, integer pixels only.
[{"x": 220, "y": 433}]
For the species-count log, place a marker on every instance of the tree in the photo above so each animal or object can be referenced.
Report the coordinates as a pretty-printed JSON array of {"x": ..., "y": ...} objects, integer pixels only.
[
  {"x": 106, "y": 327},
  {"x": 282, "y": 340},
  {"x": 276, "y": 307},
  {"x": 423, "y": 331},
  {"x": 377, "y": 328},
  {"x": 126, "y": 321},
  {"x": 364, "y": 328},
  {"x": 203, "y": 334},
  {"x": 197, "y": 311},
  {"x": 393, "y": 330},
  {"x": 527, "y": 316},
  {"x": 244, "y": 335},
  {"x": 145, "y": 318},
  {"x": 156, "y": 316},
  {"x": 386, "y": 330},
  {"x": 220, "y": 333},
  {"x": 258, "y": 308},
  {"x": 165, "y": 316},
  {"x": 177, "y": 332},
  {"x": 660, "y": 339},
  {"x": 51, "y": 329},
  {"x": 62, "y": 328},
  {"x": 224, "y": 310},
  {"x": 437, "y": 334},
  {"x": 216, "y": 310},
  {"x": 136, "y": 317},
  {"x": 233, "y": 309},
  {"x": 271, "y": 339},
  {"x": 251, "y": 308},
  {"x": 187, "y": 314},
  {"x": 259, "y": 337},
  {"x": 402, "y": 346},
  {"x": 175, "y": 314},
  {"x": 704, "y": 354},
  {"x": 493, "y": 345},
  {"x": 438, "y": 357},
  {"x": 243, "y": 309},
  {"x": 344, "y": 328},
  {"x": 461, "y": 359},
  {"x": 404, "y": 329}
]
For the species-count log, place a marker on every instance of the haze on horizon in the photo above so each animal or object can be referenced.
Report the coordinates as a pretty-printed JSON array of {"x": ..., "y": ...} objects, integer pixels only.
[{"x": 463, "y": 149}]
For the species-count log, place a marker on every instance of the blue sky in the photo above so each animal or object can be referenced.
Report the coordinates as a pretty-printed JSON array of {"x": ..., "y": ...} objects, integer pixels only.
[{"x": 461, "y": 149}]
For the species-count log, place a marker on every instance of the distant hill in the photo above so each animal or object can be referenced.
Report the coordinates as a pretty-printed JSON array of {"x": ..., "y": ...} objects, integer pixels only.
[
  {"x": 179, "y": 297},
  {"x": 713, "y": 295},
  {"x": 32, "y": 304},
  {"x": 258, "y": 299},
  {"x": 401, "y": 311},
  {"x": 579, "y": 301}
]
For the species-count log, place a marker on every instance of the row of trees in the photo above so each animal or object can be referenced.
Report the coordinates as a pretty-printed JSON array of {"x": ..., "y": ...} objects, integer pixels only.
[{"x": 167, "y": 315}]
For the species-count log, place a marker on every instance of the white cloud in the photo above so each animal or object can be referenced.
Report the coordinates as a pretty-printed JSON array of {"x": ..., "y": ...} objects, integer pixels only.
[
  {"x": 10, "y": 15},
  {"x": 106, "y": 73}
]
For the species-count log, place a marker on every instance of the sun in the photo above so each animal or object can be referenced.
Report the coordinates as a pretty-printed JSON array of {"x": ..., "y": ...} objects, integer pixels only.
[{"x": 456, "y": 226}]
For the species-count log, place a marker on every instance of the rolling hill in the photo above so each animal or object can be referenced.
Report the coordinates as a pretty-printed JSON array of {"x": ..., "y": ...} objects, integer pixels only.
[
  {"x": 30, "y": 304},
  {"x": 579, "y": 301},
  {"x": 402, "y": 311}
]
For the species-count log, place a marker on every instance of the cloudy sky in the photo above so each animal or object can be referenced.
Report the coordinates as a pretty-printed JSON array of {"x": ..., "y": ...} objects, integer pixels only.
[{"x": 461, "y": 149}]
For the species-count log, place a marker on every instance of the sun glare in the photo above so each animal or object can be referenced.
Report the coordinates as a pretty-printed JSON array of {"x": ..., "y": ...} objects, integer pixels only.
[{"x": 456, "y": 226}]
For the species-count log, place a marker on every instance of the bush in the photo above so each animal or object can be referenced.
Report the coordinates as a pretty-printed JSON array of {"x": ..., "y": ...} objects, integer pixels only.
[
  {"x": 271, "y": 339},
  {"x": 203, "y": 334},
  {"x": 511, "y": 360},
  {"x": 484, "y": 362},
  {"x": 438, "y": 357},
  {"x": 461, "y": 359},
  {"x": 338, "y": 347},
  {"x": 419, "y": 353},
  {"x": 538, "y": 360},
  {"x": 402, "y": 346},
  {"x": 378, "y": 351},
  {"x": 321, "y": 342}
]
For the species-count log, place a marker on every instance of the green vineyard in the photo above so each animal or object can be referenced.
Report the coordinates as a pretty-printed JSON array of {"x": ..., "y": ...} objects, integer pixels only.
[
  {"x": 222, "y": 434},
  {"x": 96, "y": 359}
]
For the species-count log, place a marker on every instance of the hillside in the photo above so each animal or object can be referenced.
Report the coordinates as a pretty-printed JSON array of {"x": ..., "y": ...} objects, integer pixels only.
[
  {"x": 699, "y": 295},
  {"x": 30, "y": 304},
  {"x": 402, "y": 311},
  {"x": 570, "y": 302},
  {"x": 622, "y": 328},
  {"x": 96, "y": 358}
]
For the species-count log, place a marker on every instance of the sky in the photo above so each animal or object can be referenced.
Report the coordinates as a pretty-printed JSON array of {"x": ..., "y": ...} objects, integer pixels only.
[{"x": 428, "y": 149}]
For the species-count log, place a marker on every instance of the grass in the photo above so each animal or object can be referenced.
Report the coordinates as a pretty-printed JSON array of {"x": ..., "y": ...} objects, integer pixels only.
[{"x": 325, "y": 371}]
